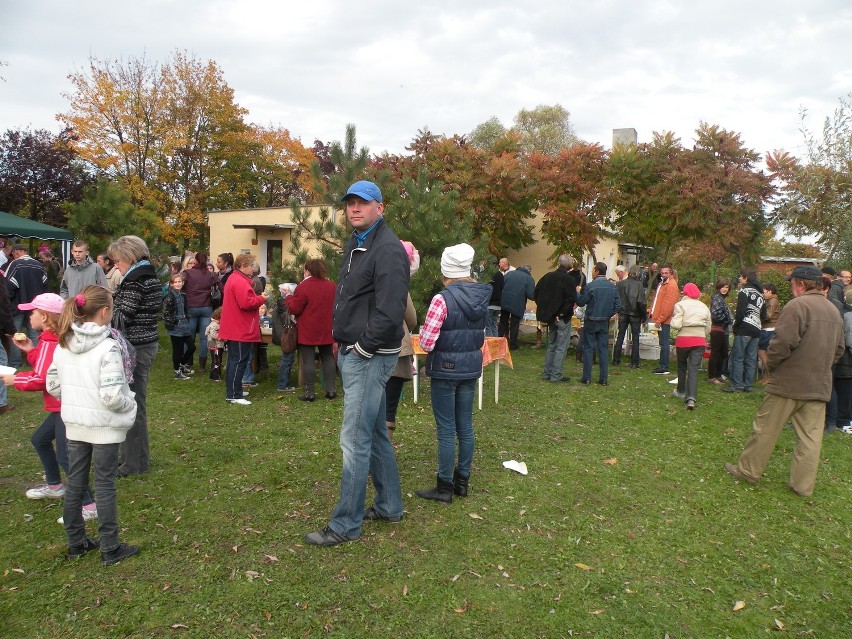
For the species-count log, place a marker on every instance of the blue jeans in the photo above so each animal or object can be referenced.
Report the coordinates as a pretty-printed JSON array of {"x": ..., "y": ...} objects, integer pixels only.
[
  {"x": 367, "y": 449},
  {"x": 595, "y": 338},
  {"x": 665, "y": 345},
  {"x": 285, "y": 367},
  {"x": 248, "y": 373},
  {"x": 452, "y": 405},
  {"x": 16, "y": 355},
  {"x": 558, "y": 336},
  {"x": 491, "y": 321},
  {"x": 104, "y": 457},
  {"x": 239, "y": 355},
  {"x": 743, "y": 361},
  {"x": 53, "y": 428},
  {"x": 199, "y": 320},
  {"x": 135, "y": 453}
]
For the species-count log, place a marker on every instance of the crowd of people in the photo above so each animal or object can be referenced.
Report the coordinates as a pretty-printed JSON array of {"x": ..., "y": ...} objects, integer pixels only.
[{"x": 91, "y": 347}]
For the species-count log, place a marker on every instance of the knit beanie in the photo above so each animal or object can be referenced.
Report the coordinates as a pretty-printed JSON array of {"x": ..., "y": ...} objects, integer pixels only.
[
  {"x": 456, "y": 261},
  {"x": 691, "y": 290}
]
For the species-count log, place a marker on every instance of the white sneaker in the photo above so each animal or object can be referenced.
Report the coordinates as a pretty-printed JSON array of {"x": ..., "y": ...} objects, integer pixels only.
[
  {"x": 242, "y": 402},
  {"x": 88, "y": 515},
  {"x": 46, "y": 492},
  {"x": 245, "y": 393},
  {"x": 847, "y": 430}
]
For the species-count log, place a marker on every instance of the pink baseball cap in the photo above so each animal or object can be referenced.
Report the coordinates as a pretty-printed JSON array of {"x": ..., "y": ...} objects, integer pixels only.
[{"x": 49, "y": 302}]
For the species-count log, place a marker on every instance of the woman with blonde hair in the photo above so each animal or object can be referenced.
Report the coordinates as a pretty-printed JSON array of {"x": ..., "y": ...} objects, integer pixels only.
[{"x": 136, "y": 314}]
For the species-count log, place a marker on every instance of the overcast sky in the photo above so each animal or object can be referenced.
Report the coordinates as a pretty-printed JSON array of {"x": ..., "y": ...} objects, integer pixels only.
[{"x": 392, "y": 68}]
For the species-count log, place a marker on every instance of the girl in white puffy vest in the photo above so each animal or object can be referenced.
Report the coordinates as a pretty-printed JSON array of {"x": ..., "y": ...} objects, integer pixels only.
[{"x": 90, "y": 373}]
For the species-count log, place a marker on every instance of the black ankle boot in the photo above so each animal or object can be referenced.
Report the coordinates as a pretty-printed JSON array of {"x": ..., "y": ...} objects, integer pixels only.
[
  {"x": 460, "y": 483},
  {"x": 443, "y": 492}
]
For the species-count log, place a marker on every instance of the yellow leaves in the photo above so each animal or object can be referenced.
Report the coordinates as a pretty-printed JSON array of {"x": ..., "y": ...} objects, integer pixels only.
[
  {"x": 475, "y": 516},
  {"x": 583, "y": 566},
  {"x": 739, "y": 605}
]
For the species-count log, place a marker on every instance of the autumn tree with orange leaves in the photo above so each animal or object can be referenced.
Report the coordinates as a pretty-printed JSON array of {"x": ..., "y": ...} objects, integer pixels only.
[{"x": 173, "y": 134}]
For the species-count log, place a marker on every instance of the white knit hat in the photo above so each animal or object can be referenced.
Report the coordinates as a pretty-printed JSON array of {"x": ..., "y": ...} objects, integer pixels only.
[{"x": 456, "y": 261}]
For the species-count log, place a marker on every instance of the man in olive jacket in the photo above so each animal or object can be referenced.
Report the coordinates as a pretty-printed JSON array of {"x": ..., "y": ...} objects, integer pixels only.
[{"x": 808, "y": 340}]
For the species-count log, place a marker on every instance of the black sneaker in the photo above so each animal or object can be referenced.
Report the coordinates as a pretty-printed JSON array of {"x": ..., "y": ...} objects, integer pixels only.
[
  {"x": 660, "y": 371},
  {"x": 371, "y": 514},
  {"x": 327, "y": 537},
  {"x": 120, "y": 553},
  {"x": 75, "y": 552}
]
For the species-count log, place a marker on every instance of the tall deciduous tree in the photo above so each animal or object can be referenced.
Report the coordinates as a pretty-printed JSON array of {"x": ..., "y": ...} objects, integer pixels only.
[
  {"x": 39, "y": 174},
  {"x": 170, "y": 132},
  {"x": 546, "y": 129},
  {"x": 281, "y": 168},
  {"x": 712, "y": 195},
  {"x": 485, "y": 135},
  {"x": 815, "y": 194},
  {"x": 494, "y": 188},
  {"x": 573, "y": 196}
]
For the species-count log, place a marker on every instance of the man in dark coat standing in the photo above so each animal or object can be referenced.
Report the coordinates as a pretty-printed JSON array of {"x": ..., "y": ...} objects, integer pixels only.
[{"x": 555, "y": 295}]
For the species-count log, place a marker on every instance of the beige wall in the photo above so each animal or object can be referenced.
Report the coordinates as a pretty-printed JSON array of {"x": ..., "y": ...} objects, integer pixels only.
[
  {"x": 538, "y": 256},
  {"x": 224, "y": 238}
]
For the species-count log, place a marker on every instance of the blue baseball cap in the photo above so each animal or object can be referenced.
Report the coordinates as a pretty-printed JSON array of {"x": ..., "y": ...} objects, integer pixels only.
[{"x": 365, "y": 190}]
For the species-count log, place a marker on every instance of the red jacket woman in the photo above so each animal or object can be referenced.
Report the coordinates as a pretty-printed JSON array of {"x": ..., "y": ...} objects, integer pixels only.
[{"x": 313, "y": 306}]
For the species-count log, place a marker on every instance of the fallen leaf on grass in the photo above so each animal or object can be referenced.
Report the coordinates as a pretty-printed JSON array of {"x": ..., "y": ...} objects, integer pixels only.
[
  {"x": 405, "y": 590},
  {"x": 252, "y": 574},
  {"x": 176, "y": 626},
  {"x": 269, "y": 558},
  {"x": 612, "y": 461},
  {"x": 739, "y": 605},
  {"x": 18, "y": 570},
  {"x": 598, "y": 611},
  {"x": 583, "y": 566},
  {"x": 268, "y": 615},
  {"x": 779, "y": 626},
  {"x": 475, "y": 516}
]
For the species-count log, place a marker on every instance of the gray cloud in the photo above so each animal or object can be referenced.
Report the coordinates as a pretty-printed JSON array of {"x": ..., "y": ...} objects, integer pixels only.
[{"x": 394, "y": 68}]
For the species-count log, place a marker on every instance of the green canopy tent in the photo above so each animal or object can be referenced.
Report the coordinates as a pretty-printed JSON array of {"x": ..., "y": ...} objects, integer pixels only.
[{"x": 15, "y": 226}]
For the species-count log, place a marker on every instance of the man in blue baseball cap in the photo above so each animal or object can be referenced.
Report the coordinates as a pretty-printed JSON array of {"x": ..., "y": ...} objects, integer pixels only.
[{"x": 369, "y": 308}]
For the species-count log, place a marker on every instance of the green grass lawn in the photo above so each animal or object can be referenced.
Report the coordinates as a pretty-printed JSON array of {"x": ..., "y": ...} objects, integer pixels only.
[{"x": 626, "y": 526}]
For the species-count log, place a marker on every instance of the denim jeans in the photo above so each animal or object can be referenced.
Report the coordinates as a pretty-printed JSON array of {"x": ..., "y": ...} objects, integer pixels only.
[
  {"x": 367, "y": 449},
  {"x": 558, "y": 336},
  {"x": 53, "y": 428},
  {"x": 22, "y": 325},
  {"x": 452, "y": 405},
  {"x": 248, "y": 372},
  {"x": 199, "y": 320},
  {"x": 239, "y": 355},
  {"x": 688, "y": 363},
  {"x": 285, "y": 367},
  {"x": 665, "y": 345},
  {"x": 634, "y": 323},
  {"x": 491, "y": 321},
  {"x": 4, "y": 392},
  {"x": 595, "y": 340},
  {"x": 135, "y": 453},
  {"x": 104, "y": 458},
  {"x": 743, "y": 361}
]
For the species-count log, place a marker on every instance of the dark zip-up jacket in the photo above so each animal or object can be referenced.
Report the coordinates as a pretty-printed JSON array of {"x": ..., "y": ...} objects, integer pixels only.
[
  {"x": 369, "y": 305},
  {"x": 751, "y": 310}
]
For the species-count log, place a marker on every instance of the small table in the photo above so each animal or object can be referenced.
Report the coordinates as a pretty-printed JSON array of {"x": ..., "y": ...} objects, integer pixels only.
[{"x": 495, "y": 350}]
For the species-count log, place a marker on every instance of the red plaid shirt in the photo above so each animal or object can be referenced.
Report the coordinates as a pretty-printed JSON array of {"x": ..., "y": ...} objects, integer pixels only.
[{"x": 431, "y": 328}]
